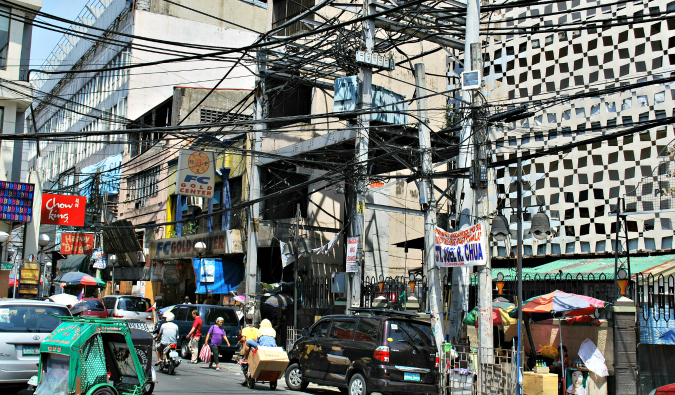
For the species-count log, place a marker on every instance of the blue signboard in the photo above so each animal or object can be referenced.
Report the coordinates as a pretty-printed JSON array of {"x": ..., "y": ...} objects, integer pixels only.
[{"x": 16, "y": 201}]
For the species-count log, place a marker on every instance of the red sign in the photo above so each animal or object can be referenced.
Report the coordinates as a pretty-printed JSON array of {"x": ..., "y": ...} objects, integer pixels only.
[
  {"x": 77, "y": 243},
  {"x": 63, "y": 209}
]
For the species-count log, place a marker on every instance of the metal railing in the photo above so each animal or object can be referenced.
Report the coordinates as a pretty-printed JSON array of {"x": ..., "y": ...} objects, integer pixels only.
[
  {"x": 397, "y": 293},
  {"x": 655, "y": 295},
  {"x": 315, "y": 293},
  {"x": 462, "y": 374},
  {"x": 292, "y": 335}
]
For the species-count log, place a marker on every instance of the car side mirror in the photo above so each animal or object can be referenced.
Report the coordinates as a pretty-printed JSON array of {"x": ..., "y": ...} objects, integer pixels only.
[{"x": 305, "y": 332}]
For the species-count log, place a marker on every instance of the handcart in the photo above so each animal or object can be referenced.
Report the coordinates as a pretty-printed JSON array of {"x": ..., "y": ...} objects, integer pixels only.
[{"x": 266, "y": 365}]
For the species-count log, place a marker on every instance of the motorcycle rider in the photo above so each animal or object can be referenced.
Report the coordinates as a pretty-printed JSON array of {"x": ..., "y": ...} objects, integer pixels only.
[{"x": 168, "y": 334}]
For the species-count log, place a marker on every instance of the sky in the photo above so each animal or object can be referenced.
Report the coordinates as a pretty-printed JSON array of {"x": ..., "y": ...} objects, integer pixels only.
[{"x": 44, "y": 41}]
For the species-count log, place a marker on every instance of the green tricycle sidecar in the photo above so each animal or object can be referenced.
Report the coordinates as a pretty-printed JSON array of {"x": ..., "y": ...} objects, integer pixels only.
[{"x": 89, "y": 356}]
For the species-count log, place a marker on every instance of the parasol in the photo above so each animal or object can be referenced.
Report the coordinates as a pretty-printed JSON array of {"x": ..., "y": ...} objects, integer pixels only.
[
  {"x": 240, "y": 298},
  {"x": 64, "y": 299},
  {"x": 279, "y": 300},
  {"x": 78, "y": 279},
  {"x": 166, "y": 309}
]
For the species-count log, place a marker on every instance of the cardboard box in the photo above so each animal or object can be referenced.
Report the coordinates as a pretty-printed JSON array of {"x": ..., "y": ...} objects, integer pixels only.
[
  {"x": 541, "y": 369},
  {"x": 540, "y": 384},
  {"x": 268, "y": 359}
]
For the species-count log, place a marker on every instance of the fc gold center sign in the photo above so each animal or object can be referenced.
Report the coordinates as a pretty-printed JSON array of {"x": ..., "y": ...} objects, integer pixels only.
[{"x": 196, "y": 175}]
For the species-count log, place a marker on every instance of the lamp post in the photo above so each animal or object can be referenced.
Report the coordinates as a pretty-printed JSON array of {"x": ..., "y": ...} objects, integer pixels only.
[
  {"x": 43, "y": 241},
  {"x": 113, "y": 260},
  {"x": 200, "y": 249},
  {"x": 4, "y": 236}
]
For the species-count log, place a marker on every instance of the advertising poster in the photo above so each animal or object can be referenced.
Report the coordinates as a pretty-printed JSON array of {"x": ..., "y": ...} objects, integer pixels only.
[
  {"x": 99, "y": 259},
  {"x": 466, "y": 247},
  {"x": 352, "y": 248},
  {"x": 16, "y": 201},
  {"x": 63, "y": 209}
]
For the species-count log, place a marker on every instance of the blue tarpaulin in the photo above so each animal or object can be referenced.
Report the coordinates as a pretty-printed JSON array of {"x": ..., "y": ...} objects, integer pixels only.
[{"x": 227, "y": 275}]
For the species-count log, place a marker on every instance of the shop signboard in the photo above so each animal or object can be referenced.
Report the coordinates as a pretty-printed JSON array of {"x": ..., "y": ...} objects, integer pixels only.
[
  {"x": 77, "y": 243},
  {"x": 217, "y": 243},
  {"x": 208, "y": 270},
  {"x": 63, "y": 209},
  {"x": 99, "y": 259},
  {"x": 16, "y": 201},
  {"x": 196, "y": 174},
  {"x": 352, "y": 248},
  {"x": 467, "y": 247}
]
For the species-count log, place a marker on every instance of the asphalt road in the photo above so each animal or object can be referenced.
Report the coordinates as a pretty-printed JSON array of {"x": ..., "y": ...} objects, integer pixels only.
[{"x": 199, "y": 379}]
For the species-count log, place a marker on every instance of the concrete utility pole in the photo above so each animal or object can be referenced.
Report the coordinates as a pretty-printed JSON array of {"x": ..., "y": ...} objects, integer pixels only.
[
  {"x": 252, "y": 298},
  {"x": 429, "y": 207},
  {"x": 296, "y": 265},
  {"x": 465, "y": 195},
  {"x": 358, "y": 198}
]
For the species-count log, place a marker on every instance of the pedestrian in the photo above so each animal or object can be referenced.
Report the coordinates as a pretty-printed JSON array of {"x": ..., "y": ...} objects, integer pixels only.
[
  {"x": 194, "y": 335},
  {"x": 187, "y": 300},
  {"x": 217, "y": 335},
  {"x": 266, "y": 338}
]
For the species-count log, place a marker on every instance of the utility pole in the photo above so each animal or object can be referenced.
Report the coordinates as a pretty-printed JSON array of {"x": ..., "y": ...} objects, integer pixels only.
[
  {"x": 296, "y": 267},
  {"x": 428, "y": 203},
  {"x": 252, "y": 297},
  {"x": 358, "y": 200},
  {"x": 519, "y": 269},
  {"x": 465, "y": 195}
]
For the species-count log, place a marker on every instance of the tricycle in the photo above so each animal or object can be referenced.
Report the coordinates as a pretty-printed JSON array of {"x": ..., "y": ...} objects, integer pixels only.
[{"x": 92, "y": 356}]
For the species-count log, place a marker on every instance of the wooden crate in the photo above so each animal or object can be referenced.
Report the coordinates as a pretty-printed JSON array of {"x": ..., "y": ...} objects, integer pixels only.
[{"x": 540, "y": 383}]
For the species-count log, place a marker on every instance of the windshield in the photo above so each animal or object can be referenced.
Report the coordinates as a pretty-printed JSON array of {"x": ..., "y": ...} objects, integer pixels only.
[
  {"x": 411, "y": 332},
  {"x": 30, "y": 318},
  {"x": 89, "y": 304},
  {"x": 54, "y": 375},
  {"x": 228, "y": 315},
  {"x": 133, "y": 304}
]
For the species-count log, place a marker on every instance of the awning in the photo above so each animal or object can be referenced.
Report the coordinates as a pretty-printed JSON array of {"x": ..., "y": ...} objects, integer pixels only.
[
  {"x": 586, "y": 269},
  {"x": 75, "y": 263}
]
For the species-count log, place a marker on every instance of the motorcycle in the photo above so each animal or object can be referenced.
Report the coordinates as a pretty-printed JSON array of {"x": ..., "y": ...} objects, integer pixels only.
[{"x": 171, "y": 359}]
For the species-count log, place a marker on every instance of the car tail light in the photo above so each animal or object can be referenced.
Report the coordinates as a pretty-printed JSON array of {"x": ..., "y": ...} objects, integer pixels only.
[
  {"x": 118, "y": 316},
  {"x": 382, "y": 354},
  {"x": 437, "y": 361}
]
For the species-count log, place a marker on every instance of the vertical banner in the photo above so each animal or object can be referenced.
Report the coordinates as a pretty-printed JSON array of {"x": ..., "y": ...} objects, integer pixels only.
[
  {"x": 196, "y": 174},
  {"x": 99, "y": 259},
  {"x": 352, "y": 248},
  {"x": 207, "y": 274},
  {"x": 16, "y": 201},
  {"x": 466, "y": 247}
]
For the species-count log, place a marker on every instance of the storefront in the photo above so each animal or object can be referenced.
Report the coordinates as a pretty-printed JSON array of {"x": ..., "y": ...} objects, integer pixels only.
[{"x": 205, "y": 278}]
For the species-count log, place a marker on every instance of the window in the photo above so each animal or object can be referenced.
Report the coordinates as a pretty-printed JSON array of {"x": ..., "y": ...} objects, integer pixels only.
[
  {"x": 181, "y": 314},
  {"x": 343, "y": 330},
  {"x": 411, "y": 332},
  {"x": 228, "y": 315},
  {"x": 142, "y": 186},
  {"x": 320, "y": 329},
  {"x": 139, "y": 305},
  {"x": 209, "y": 115},
  {"x": 366, "y": 330},
  {"x": 26, "y": 318},
  {"x": 285, "y": 10},
  {"x": 4, "y": 36}
]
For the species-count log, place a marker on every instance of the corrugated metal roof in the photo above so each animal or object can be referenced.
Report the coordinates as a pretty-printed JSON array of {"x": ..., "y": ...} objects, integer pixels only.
[{"x": 577, "y": 268}]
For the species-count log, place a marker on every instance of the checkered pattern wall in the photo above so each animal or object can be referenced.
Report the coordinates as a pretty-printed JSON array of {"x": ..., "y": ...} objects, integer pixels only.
[{"x": 579, "y": 188}]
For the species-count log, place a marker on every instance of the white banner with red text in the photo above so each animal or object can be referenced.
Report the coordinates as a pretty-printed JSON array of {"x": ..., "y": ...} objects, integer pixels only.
[{"x": 467, "y": 247}]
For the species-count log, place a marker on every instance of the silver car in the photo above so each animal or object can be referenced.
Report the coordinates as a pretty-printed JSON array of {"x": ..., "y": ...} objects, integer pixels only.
[
  {"x": 128, "y": 307},
  {"x": 24, "y": 324}
]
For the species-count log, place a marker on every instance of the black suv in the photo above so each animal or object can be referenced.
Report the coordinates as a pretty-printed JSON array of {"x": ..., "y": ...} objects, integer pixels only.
[
  {"x": 208, "y": 314},
  {"x": 375, "y": 351}
]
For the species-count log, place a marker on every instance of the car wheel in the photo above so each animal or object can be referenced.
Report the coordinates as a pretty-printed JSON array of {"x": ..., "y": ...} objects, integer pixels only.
[
  {"x": 104, "y": 391},
  {"x": 294, "y": 379},
  {"x": 149, "y": 387},
  {"x": 357, "y": 385},
  {"x": 185, "y": 350}
]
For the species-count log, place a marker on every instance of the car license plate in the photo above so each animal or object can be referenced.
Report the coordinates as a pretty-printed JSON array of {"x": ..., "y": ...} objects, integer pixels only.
[
  {"x": 31, "y": 350},
  {"x": 411, "y": 376}
]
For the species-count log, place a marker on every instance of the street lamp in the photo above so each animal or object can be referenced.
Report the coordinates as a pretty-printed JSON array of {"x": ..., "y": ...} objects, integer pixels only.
[
  {"x": 113, "y": 260},
  {"x": 4, "y": 236},
  {"x": 500, "y": 283},
  {"x": 200, "y": 249},
  {"x": 43, "y": 241}
]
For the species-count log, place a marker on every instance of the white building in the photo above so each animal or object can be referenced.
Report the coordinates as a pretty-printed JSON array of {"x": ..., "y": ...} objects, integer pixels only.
[{"x": 106, "y": 100}]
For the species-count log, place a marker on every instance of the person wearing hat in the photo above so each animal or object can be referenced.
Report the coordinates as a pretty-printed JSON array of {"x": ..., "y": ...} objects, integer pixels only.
[
  {"x": 217, "y": 335},
  {"x": 168, "y": 334}
]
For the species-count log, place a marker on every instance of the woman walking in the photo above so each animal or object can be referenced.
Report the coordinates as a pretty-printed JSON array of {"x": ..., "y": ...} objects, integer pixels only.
[{"x": 216, "y": 334}]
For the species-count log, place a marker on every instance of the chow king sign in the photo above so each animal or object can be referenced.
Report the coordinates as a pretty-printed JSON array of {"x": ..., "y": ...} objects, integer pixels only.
[
  {"x": 63, "y": 209},
  {"x": 196, "y": 174}
]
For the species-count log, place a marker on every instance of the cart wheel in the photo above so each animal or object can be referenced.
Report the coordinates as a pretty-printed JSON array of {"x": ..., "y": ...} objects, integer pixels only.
[
  {"x": 273, "y": 385},
  {"x": 104, "y": 391},
  {"x": 149, "y": 387},
  {"x": 251, "y": 382}
]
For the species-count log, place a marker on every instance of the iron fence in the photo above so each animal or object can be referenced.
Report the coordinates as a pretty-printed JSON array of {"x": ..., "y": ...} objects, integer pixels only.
[
  {"x": 655, "y": 295},
  {"x": 292, "y": 335},
  {"x": 315, "y": 293},
  {"x": 397, "y": 293},
  {"x": 462, "y": 374}
]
